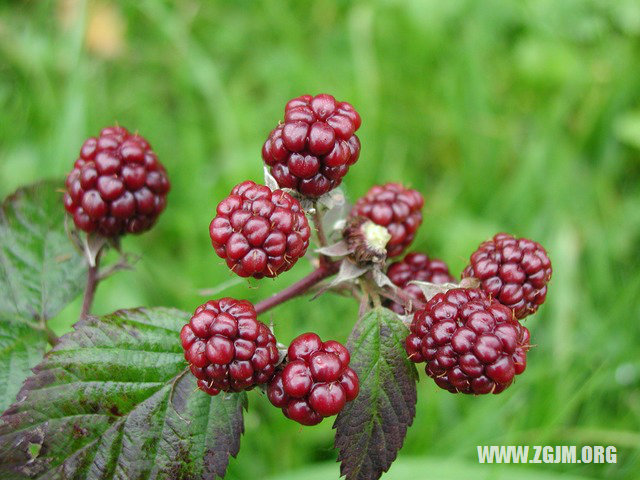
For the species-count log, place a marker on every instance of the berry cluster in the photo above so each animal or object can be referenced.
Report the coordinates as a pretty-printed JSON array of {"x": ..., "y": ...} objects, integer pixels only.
[
  {"x": 315, "y": 381},
  {"x": 470, "y": 339},
  {"x": 117, "y": 184},
  {"x": 471, "y": 342},
  {"x": 315, "y": 146},
  {"x": 259, "y": 232},
  {"x": 227, "y": 348}
]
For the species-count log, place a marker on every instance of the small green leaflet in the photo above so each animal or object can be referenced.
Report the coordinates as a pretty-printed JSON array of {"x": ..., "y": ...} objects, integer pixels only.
[
  {"x": 40, "y": 272},
  {"x": 114, "y": 399},
  {"x": 371, "y": 429}
]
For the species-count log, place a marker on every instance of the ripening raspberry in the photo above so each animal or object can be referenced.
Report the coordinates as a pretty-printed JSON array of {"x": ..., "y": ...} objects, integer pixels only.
[
  {"x": 315, "y": 146},
  {"x": 514, "y": 271},
  {"x": 227, "y": 348},
  {"x": 396, "y": 208},
  {"x": 259, "y": 232},
  {"x": 315, "y": 382},
  {"x": 470, "y": 342},
  {"x": 419, "y": 267},
  {"x": 117, "y": 185}
]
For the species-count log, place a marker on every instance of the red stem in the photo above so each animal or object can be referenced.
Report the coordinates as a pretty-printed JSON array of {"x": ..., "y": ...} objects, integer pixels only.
[{"x": 298, "y": 288}]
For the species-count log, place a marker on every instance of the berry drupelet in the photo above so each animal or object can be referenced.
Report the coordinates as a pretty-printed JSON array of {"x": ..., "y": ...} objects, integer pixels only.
[
  {"x": 315, "y": 146},
  {"x": 259, "y": 232},
  {"x": 470, "y": 342},
  {"x": 396, "y": 208},
  {"x": 416, "y": 266},
  {"x": 227, "y": 348},
  {"x": 514, "y": 271},
  {"x": 315, "y": 381},
  {"x": 117, "y": 184}
]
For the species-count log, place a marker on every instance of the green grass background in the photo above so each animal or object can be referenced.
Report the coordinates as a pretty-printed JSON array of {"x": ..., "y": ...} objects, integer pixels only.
[{"x": 521, "y": 116}]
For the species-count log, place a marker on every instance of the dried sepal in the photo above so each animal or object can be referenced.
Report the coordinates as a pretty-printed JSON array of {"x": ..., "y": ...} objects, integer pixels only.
[
  {"x": 429, "y": 290},
  {"x": 367, "y": 240}
]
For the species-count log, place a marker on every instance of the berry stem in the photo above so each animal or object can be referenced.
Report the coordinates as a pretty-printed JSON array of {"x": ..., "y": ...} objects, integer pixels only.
[
  {"x": 93, "y": 278},
  {"x": 301, "y": 286},
  {"x": 317, "y": 221},
  {"x": 316, "y": 218}
]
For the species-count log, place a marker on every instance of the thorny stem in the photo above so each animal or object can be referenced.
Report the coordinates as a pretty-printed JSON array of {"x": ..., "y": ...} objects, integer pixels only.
[
  {"x": 93, "y": 278},
  {"x": 301, "y": 286}
]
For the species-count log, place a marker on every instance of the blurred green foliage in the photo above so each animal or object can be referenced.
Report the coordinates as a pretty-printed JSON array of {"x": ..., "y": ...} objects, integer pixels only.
[{"x": 521, "y": 116}]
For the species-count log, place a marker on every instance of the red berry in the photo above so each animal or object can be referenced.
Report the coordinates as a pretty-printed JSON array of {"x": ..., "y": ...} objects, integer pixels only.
[
  {"x": 470, "y": 342},
  {"x": 325, "y": 366},
  {"x": 303, "y": 346},
  {"x": 327, "y": 399},
  {"x": 396, "y": 208},
  {"x": 297, "y": 379},
  {"x": 227, "y": 348},
  {"x": 315, "y": 381},
  {"x": 416, "y": 266},
  {"x": 514, "y": 271},
  {"x": 110, "y": 191},
  {"x": 258, "y": 232},
  {"x": 315, "y": 146}
]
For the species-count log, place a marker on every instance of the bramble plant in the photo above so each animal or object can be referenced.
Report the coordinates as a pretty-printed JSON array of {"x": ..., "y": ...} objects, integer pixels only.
[{"x": 158, "y": 393}]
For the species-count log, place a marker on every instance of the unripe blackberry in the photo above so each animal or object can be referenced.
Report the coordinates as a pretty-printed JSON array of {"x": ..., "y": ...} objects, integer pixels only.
[
  {"x": 315, "y": 381},
  {"x": 470, "y": 342},
  {"x": 514, "y": 271},
  {"x": 227, "y": 348},
  {"x": 419, "y": 267},
  {"x": 396, "y": 208},
  {"x": 259, "y": 232},
  {"x": 117, "y": 184},
  {"x": 315, "y": 146}
]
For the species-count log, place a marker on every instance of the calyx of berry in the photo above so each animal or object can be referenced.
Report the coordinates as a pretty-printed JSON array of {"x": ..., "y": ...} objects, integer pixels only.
[
  {"x": 430, "y": 290},
  {"x": 366, "y": 240}
]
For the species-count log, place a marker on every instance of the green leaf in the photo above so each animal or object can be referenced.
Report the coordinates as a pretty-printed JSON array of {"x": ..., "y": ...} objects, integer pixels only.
[
  {"x": 40, "y": 272},
  {"x": 21, "y": 348},
  {"x": 371, "y": 429},
  {"x": 114, "y": 399}
]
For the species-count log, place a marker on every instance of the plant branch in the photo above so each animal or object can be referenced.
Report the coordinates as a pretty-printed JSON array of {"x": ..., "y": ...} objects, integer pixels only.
[
  {"x": 93, "y": 278},
  {"x": 52, "y": 338},
  {"x": 301, "y": 286}
]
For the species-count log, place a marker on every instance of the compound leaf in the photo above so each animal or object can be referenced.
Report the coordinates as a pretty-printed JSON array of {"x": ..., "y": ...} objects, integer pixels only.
[
  {"x": 371, "y": 429},
  {"x": 113, "y": 399}
]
